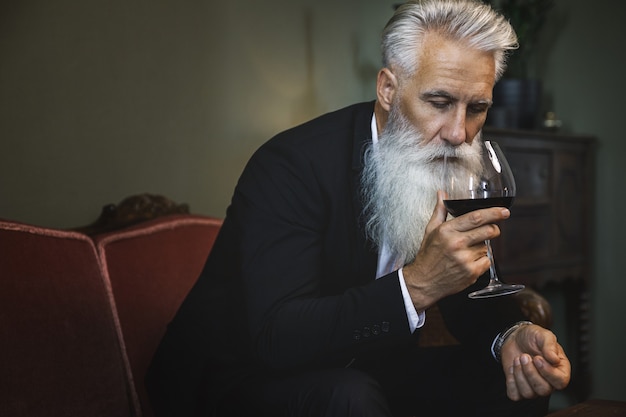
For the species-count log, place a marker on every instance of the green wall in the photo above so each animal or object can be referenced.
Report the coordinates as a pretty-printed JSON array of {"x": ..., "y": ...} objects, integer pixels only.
[
  {"x": 103, "y": 99},
  {"x": 100, "y": 100}
]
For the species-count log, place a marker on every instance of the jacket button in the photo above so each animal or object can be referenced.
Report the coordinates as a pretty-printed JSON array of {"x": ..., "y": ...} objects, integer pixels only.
[
  {"x": 356, "y": 335},
  {"x": 366, "y": 332},
  {"x": 385, "y": 326},
  {"x": 376, "y": 330}
]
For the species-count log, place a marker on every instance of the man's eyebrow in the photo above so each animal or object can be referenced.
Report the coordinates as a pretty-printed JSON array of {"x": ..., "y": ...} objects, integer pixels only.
[
  {"x": 438, "y": 94},
  {"x": 445, "y": 94},
  {"x": 482, "y": 102}
]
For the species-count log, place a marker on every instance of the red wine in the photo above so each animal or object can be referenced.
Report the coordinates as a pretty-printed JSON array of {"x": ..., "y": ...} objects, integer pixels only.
[{"x": 460, "y": 207}]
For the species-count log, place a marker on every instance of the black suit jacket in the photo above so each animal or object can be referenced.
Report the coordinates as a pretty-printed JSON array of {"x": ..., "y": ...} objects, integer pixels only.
[{"x": 290, "y": 283}]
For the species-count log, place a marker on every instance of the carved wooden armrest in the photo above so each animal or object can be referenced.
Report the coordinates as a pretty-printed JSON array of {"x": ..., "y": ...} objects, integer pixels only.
[
  {"x": 535, "y": 307},
  {"x": 132, "y": 210}
]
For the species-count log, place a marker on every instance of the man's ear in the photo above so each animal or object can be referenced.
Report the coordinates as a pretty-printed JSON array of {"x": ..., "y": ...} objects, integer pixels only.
[{"x": 386, "y": 88}]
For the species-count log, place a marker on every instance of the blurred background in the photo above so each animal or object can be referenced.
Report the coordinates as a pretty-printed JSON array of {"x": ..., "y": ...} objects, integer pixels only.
[{"x": 103, "y": 99}]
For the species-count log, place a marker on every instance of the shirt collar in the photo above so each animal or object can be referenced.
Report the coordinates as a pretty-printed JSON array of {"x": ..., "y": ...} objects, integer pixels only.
[{"x": 374, "y": 129}]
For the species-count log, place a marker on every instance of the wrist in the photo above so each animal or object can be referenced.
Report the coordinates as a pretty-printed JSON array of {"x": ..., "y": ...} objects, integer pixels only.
[
  {"x": 504, "y": 335},
  {"x": 418, "y": 291}
]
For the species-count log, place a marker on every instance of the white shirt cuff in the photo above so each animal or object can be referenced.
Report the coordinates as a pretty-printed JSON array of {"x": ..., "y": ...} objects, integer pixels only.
[{"x": 416, "y": 319}]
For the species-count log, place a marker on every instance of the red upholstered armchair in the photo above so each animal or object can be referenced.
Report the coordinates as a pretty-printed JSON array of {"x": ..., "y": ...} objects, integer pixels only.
[
  {"x": 82, "y": 315},
  {"x": 62, "y": 351},
  {"x": 151, "y": 267}
]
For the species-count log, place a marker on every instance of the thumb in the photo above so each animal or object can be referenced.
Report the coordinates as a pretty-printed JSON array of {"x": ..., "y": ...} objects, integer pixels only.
[
  {"x": 551, "y": 351},
  {"x": 439, "y": 213}
]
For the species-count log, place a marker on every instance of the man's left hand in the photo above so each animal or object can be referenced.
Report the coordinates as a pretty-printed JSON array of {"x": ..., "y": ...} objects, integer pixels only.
[{"x": 534, "y": 363}]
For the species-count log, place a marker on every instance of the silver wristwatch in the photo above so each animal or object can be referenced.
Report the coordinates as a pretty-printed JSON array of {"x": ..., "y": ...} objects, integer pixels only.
[{"x": 497, "y": 348}]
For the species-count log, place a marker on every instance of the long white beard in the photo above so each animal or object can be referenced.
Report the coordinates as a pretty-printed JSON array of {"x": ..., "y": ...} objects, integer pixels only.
[{"x": 400, "y": 182}]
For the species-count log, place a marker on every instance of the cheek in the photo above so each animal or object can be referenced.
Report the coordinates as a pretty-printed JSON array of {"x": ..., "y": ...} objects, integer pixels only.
[
  {"x": 427, "y": 121},
  {"x": 472, "y": 127}
]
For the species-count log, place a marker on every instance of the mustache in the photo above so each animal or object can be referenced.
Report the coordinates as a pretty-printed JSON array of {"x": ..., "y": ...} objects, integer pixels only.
[{"x": 401, "y": 140}]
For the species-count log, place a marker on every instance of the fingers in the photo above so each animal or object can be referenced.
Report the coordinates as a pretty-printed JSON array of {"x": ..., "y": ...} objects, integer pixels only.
[
  {"x": 557, "y": 374},
  {"x": 472, "y": 239},
  {"x": 525, "y": 381},
  {"x": 513, "y": 387},
  {"x": 479, "y": 221},
  {"x": 477, "y": 218},
  {"x": 537, "y": 364},
  {"x": 479, "y": 225},
  {"x": 532, "y": 377}
]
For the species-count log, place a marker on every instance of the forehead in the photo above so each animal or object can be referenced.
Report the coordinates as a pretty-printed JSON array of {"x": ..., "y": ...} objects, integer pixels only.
[{"x": 454, "y": 66}]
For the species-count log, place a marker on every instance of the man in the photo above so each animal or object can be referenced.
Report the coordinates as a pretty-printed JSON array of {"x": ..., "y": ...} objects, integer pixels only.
[{"x": 313, "y": 297}]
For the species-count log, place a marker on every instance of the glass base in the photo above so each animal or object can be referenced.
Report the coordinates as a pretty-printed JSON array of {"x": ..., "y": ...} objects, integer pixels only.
[{"x": 496, "y": 290}]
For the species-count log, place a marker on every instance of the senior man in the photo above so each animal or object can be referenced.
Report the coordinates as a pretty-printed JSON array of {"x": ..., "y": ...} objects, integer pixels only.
[{"x": 336, "y": 242}]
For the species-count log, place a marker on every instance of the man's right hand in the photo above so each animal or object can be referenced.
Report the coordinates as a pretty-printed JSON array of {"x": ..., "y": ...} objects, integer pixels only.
[{"x": 453, "y": 254}]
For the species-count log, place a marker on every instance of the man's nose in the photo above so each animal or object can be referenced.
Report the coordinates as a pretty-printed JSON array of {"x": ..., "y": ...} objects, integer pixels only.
[{"x": 454, "y": 131}]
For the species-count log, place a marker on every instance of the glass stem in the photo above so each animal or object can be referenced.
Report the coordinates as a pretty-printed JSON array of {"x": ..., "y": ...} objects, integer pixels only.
[{"x": 492, "y": 264}]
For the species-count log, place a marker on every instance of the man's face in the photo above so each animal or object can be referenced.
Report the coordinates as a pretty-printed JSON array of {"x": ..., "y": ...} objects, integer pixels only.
[
  {"x": 439, "y": 111},
  {"x": 448, "y": 97}
]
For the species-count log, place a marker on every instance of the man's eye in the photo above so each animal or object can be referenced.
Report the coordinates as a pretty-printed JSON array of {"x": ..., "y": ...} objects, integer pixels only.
[
  {"x": 440, "y": 104},
  {"x": 477, "y": 108}
]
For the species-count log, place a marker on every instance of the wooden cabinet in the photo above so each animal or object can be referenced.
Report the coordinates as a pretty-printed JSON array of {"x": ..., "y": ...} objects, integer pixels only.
[{"x": 547, "y": 242}]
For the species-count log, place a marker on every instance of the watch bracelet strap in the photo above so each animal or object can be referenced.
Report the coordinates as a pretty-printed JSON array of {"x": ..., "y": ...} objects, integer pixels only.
[{"x": 497, "y": 349}]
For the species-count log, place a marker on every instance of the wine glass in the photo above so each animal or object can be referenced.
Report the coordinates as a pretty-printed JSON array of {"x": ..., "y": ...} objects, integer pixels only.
[{"x": 477, "y": 182}]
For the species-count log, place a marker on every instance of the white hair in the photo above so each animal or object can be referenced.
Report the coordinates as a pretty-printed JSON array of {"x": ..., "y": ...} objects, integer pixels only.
[{"x": 468, "y": 21}]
